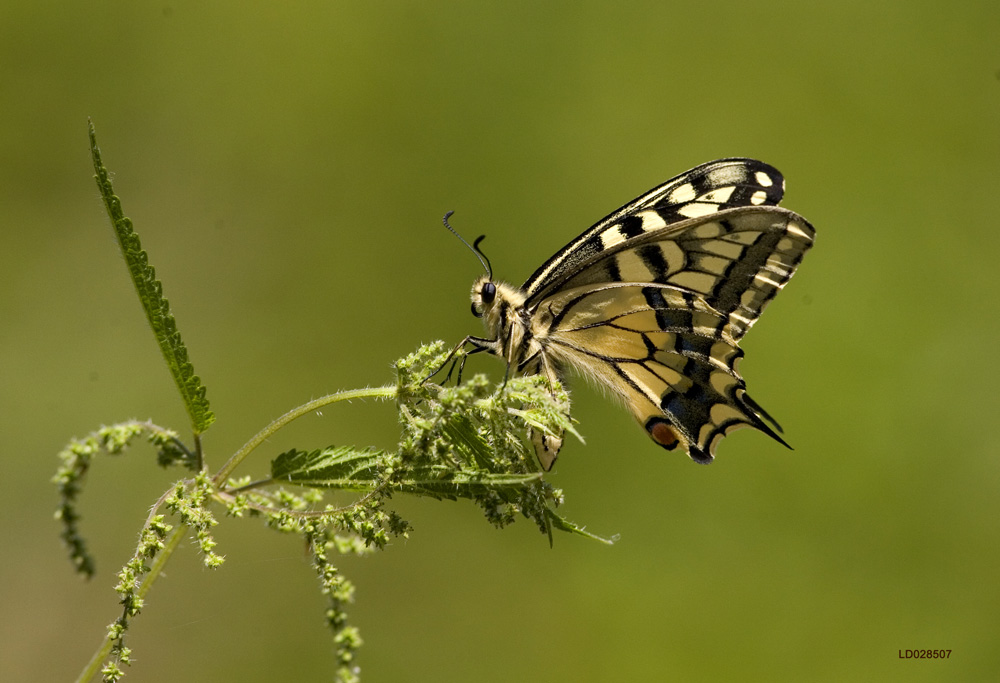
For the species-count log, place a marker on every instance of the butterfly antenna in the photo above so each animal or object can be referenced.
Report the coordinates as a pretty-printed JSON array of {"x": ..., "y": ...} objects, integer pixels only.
[
  {"x": 474, "y": 247},
  {"x": 482, "y": 256}
]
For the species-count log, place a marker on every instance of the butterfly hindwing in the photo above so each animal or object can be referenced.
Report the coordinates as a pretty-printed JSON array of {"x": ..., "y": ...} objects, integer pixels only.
[{"x": 661, "y": 350}]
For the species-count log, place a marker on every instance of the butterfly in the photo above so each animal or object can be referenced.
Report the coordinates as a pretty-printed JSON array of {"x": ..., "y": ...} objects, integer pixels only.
[{"x": 652, "y": 301}]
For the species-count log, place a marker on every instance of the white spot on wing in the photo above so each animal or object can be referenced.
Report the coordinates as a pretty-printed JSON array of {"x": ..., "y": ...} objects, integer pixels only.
[
  {"x": 719, "y": 195},
  {"x": 730, "y": 174},
  {"x": 696, "y": 209},
  {"x": 651, "y": 221},
  {"x": 758, "y": 197},
  {"x": 763, "y": 179},
  {"x": 684, "y": 193},
  {"x": 612, "y": 236}
]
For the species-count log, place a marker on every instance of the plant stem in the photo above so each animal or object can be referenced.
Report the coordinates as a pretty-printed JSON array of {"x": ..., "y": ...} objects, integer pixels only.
[
  {"x": 385, "y": 392},
  {"x": 94, "y": 665}
]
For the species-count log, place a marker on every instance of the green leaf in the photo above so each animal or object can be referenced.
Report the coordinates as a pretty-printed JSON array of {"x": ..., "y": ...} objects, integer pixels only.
[
  {"x": 442, "y": 481},
  {"x": 351, "y": 469},
  {"x": 150, "y": 292},
  {"x": 336, "y": 467},
  {"x": 470, "y": 444}
]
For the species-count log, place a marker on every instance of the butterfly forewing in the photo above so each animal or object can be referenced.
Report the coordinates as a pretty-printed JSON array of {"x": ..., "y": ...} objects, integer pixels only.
[{"x": 702, "y": 191}]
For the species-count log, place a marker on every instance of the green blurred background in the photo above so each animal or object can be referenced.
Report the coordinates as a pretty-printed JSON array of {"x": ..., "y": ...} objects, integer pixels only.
[{"x": 287, "y": 166}]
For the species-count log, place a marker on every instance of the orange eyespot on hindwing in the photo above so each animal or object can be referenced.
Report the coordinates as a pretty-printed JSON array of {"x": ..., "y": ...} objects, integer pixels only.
[{"x": 662, "y": 433}]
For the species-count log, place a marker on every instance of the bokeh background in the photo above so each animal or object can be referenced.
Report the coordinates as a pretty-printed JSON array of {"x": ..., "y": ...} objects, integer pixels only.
[{"x": 287, "y": 166}]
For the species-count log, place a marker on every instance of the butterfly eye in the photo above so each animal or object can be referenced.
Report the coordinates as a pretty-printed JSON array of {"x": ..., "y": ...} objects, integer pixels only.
[{"x": 487, "y": 294}]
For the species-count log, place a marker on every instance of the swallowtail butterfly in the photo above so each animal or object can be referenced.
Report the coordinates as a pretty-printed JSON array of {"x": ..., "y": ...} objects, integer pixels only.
[{"x": 652, "y": 301}]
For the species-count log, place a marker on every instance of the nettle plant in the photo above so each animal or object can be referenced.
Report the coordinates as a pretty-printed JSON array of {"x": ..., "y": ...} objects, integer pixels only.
[{"x": 462, "y": 441}]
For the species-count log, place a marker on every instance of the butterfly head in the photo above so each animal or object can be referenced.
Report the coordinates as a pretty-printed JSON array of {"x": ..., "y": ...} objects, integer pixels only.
[
  {"x": 484, "y": 295},
  {"x": 493, "y": 301}
]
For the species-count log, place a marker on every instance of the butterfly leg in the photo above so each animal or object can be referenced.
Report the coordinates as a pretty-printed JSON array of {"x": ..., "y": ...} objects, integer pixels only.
[
  {"x": 461, "y": 365},
  {"x": 478, "y": 343},
  {"x": 450, "y": 358}
]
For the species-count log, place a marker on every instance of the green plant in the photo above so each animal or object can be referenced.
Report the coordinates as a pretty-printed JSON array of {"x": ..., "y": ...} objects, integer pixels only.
[{"x": 456, "y": 442}]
